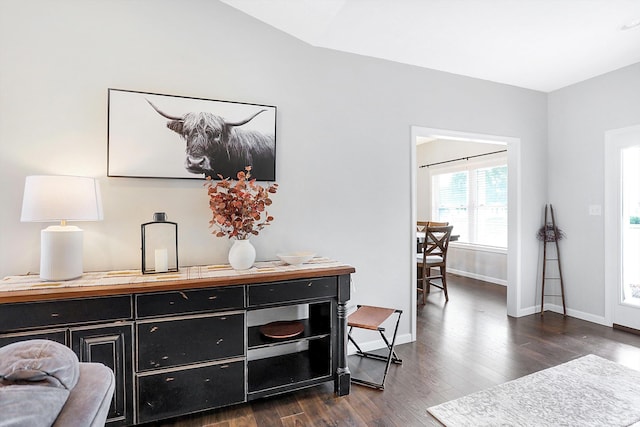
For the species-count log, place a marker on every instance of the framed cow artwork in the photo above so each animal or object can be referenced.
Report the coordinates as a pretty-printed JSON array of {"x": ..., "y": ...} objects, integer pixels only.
[{"x": 152, "y": 135}]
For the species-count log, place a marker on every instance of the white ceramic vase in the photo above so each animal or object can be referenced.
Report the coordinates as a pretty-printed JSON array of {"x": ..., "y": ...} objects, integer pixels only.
[{"x": 242, "y": 255}]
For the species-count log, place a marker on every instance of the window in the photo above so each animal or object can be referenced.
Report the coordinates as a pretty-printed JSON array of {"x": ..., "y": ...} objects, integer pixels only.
[{"x": 473, "y": 198}]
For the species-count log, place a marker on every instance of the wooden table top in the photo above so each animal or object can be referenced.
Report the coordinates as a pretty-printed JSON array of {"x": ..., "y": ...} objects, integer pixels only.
[{"x": 31, "y": 288}]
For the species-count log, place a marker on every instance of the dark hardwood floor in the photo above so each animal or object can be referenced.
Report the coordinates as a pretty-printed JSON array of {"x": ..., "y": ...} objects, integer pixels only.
[{"x": 463, "y": 346}]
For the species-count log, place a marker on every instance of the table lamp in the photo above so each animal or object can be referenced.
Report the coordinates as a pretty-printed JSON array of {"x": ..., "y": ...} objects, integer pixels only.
[{"x": 53, "y": 198}]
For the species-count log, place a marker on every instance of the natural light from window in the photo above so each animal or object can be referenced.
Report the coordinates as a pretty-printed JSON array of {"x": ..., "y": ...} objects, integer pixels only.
[
  {"x": 631, "y": 224},
  {"x": 474, "y": 201}
]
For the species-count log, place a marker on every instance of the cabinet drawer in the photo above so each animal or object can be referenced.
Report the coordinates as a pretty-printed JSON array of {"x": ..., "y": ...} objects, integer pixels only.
[
  {"x": 64, "y": 312},
  {"x": 180, "y": 392},
  {"x": 184, "y": 340},
  {"x": 58, "y": 335},
  {"x": 194, "y": 301},
  {"x": 291, "y": 291}
]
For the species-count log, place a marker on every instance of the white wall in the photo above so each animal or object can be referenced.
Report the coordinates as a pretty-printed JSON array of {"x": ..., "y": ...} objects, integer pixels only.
[
  {"x": 579, "y": 116},
  {"x": 343, "y": 133},
  {"x": 482, "y": 263}
]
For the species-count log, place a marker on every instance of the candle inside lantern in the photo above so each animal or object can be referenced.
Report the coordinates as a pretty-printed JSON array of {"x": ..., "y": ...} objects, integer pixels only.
[{"x": 162, "y": 260}]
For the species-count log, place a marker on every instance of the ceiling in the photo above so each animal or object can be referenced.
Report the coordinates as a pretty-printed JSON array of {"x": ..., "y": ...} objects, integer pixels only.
[{"x": 537, "y": 44}]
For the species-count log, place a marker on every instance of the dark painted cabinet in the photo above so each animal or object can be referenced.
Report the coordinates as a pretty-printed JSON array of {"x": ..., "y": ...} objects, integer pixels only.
[{"x": 189, "y": 348}]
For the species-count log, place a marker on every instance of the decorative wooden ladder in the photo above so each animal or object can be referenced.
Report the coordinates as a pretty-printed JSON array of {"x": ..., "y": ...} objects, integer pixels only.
[{"x": 551, "y": 234}]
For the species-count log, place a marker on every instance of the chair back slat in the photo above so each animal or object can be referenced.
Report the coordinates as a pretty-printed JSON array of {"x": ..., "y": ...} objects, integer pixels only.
[
  {"x": 437, "y": 224},
  {"x": 436, "y": 241}
]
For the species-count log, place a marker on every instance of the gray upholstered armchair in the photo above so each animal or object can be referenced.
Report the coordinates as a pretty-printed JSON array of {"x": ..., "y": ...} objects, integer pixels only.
[{"x": 43, "y": 384}]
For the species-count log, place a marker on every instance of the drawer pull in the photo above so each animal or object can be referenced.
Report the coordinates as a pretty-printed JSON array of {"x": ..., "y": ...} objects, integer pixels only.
[
  {"x": 222, "y": 367},
  {"x": 155, "y": 328},
  {"x": 184, "y": 295},
  {"x": 212, "y": 297},
  {"x": 219, "y": 341},
  {"x": 309, "y": 284},
  {"x": 168, "y": 379},
  {"x": 165, "y": 357},
  {"x": 54, "y": 315}
]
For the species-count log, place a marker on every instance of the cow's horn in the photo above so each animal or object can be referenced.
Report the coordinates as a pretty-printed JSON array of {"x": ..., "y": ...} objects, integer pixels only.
[
  {"x": 165, "y": 115},
  {"x": 242, "y": 122}
]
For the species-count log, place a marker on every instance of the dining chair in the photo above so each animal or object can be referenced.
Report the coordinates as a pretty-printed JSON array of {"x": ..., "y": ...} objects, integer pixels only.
[
  {"x": 421, "y": 227},
  {"x": 434, "y": 255}
]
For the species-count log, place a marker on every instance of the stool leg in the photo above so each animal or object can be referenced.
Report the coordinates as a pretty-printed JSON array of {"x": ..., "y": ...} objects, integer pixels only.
[
  {"x": 394, "y": 357},
  {"x": 392, "y": 353},
  {"x": 359, "y": 350}
]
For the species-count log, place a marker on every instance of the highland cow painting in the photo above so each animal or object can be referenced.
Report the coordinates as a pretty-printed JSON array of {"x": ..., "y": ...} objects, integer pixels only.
[{"x": 165, "y": 136}]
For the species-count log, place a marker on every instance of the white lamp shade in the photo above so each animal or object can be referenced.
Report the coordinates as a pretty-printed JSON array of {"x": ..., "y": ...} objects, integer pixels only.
[{"x": 49, "y": 198}]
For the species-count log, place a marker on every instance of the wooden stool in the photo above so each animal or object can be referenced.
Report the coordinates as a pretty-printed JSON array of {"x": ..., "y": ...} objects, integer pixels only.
[{"x": 368, "y": 317}]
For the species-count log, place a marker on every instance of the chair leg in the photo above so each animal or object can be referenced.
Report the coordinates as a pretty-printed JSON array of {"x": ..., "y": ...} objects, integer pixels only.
[
  {"x": 425, "y": 284},
  {"x": 443, "y": 272},
  {"x": 421, "y": 279},
  {"x": 426, "y": 275}
]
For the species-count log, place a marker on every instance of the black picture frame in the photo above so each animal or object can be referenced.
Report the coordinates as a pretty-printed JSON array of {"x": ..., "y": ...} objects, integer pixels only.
[{"x": 153, "y": 135}]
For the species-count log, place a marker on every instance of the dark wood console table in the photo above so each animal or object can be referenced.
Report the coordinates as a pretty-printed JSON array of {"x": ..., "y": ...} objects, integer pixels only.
[{"x": 190, "y": 341}]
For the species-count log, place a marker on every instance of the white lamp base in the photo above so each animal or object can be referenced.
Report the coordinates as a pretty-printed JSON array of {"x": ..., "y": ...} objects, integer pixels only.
[{"x": 60, "y": 252}]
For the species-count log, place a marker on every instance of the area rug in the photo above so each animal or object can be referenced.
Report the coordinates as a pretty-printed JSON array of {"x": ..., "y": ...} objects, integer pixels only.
[{"x": 589, "y": 391}]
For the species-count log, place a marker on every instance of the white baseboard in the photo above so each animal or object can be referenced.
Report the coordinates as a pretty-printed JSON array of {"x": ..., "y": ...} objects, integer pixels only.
[
  {"x": 528, "y": 311},
  {"x": 577, "y": 314},
  {"x": 477, "y": 276}
]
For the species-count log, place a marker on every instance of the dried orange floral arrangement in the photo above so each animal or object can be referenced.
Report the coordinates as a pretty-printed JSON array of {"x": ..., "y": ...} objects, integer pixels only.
[{"x": 239, "y": 206}]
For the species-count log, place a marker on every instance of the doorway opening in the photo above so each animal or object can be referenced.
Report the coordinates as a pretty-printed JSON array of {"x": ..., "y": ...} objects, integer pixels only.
[{"x": 484, "y": 143}]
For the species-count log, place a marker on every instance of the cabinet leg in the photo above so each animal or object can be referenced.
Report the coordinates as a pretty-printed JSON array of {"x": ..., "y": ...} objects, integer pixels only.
[
  {"x": 342, "y": 382},
  {"x": 342, "y": 378}
]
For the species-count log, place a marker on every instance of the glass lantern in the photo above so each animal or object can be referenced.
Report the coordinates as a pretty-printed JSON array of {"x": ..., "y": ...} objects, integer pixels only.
[{"x": 159, "y": 245}]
